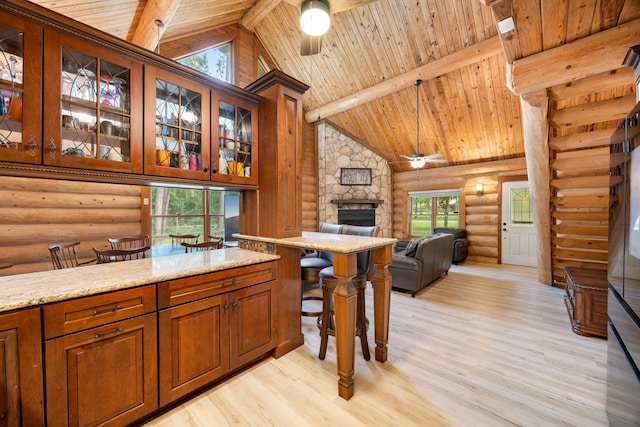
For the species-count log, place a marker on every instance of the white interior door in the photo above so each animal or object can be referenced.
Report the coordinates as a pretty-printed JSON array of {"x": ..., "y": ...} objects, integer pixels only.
[{"x": 518, "y": 232}]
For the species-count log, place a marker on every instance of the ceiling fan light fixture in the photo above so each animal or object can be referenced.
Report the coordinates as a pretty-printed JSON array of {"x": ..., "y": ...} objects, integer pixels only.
[
  {"x": 418, "y": 163},
  {"x": 314, "y": 17}
]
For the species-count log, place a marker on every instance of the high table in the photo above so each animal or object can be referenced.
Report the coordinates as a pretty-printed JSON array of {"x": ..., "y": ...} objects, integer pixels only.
[{"x": 345, "y": 248}]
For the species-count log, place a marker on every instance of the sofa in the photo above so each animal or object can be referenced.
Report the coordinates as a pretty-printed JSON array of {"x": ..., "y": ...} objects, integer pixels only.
[
  {"x": 418, "y": 262},
  {"x": 460, "y": 242}
]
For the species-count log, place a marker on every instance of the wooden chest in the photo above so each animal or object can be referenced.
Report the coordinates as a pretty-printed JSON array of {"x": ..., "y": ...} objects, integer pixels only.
[{"x": 586, "y": 300}]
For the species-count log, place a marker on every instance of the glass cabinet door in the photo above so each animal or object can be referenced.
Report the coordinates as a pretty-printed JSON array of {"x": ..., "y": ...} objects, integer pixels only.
[
  {"x": 237, "y": 150},
  {"x": 97, "y": 95},
  {"x": 20, "y": 90},
  {"x": 176, "y": 144}
]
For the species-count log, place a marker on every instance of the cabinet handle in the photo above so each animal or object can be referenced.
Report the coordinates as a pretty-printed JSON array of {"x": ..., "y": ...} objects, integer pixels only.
[
  {"x": 234, "y": 305},
  {"x": 105, "y": 334},
  {"x": 32, "y": 146},
  {"x": 229, "y": 282},
  {"x": 107, "y": 310},
  {"x": 52, "y": 148},
  {"x": 226, "y": 306}
]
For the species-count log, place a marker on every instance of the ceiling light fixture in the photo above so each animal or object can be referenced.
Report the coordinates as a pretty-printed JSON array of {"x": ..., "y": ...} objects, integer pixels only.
[
  {"x": 419, "y": 160},
  {"x": 314, "y": 17}
]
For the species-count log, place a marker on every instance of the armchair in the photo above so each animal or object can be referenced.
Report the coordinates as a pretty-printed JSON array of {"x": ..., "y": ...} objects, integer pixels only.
[{"x": 460, "y": 242}]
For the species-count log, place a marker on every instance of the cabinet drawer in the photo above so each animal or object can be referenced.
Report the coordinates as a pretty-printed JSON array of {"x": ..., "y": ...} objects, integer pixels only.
[
  {"x": 193, "y": 288},
  {"x": 88, "y": 312}
]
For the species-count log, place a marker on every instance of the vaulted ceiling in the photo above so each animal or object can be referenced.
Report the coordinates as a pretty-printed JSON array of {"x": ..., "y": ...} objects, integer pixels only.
[{"x": 362, "y": 80}]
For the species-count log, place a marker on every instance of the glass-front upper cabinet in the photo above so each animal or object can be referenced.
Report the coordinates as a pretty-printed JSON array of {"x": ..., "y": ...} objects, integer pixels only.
[
  {"x": 99, "y": 94},
  {"x": 177, "y": 137},
  {"x": 237, "y": 149},
  {"x": 20, "y": 90}
]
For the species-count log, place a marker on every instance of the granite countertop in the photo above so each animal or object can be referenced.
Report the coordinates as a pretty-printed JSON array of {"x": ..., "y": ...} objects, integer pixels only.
[
  {"x": 328, "y": 242},
  {"x": 25, "y": 290}
]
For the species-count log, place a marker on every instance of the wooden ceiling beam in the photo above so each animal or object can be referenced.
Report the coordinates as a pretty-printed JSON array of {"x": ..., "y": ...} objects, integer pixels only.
[
  {"x": 147, "y": 32},
  {"x": 439, "y": 67},
  {"x": 592, "y": 112},
  {"x": 257, "y": 12},
  {"x": 596, "y": 83},
  {"x": 598, "y": 53}
]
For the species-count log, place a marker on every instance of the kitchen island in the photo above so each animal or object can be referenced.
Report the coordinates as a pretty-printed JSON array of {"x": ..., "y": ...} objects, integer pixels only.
[
  {"x": 111, "y": 344},
  {"x": 345, "y": 249}
]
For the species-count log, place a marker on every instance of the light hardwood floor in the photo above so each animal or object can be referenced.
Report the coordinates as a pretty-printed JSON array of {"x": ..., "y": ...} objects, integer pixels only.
[{"x": 486, "y": 345}]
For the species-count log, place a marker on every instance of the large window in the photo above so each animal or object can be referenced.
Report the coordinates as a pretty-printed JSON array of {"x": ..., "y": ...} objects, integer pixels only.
[
  {"x": 433, "y": 209},
  {"x": 215, "y": 62},
  {"x": 190, "y": 211}
]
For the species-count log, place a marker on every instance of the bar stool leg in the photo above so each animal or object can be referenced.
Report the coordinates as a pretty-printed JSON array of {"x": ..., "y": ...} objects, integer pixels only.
[
  {"x": 361, "y": 318},
  {"x": 326, "y": 319}
]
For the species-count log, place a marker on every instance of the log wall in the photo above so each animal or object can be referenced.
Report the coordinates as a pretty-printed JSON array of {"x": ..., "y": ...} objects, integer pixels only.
[
  {"x": 581, "y": 123},
  {"x": 309, "y": 177},
  {"x": 37, "y": 213},
  {"x": 480, "y": 214}
]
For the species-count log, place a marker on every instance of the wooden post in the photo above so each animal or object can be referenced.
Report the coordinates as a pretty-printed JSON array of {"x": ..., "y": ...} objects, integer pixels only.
[{"x": 535, "y": 129}]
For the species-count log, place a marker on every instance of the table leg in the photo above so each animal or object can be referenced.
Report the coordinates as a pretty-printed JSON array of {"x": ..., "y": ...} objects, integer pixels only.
[
  {"x": 381, "y": 300},
  {"x": 344, "y": 302}
]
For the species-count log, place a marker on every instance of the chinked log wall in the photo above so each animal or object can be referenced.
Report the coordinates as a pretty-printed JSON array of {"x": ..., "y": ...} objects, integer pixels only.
[
  {"x": 582, "y": 121},
  {"x": 480, "y": 215},
  {"x": 37, "y": 213}
]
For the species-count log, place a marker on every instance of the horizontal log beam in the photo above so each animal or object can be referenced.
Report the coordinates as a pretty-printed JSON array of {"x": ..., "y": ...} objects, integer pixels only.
[
  {"x": 462, "y": 58},
  {"x": 257, "y": 12},
  {"x": 596, "y": 83},
  {"x": 593, "y": 112},
  {"x": 597, "y": 138},
  {"x": 598, "y": 53}
]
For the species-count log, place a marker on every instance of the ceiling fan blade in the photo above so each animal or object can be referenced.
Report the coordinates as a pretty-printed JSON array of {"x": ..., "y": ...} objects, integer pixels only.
[
  {"x": 310, "y": 45},
  {"x": 436, "y": 160},
  {"x": 434, "y": 156}
]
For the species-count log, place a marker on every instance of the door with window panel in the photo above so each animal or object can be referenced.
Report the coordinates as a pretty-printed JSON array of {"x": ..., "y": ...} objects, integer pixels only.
[
  {"x": 178, "y": 138},
  {"x": 97, "y": 125},
  {"x": 20, "y": 90}
]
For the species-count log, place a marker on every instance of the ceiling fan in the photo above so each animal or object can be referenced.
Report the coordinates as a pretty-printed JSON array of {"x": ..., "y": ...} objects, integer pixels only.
[
  {"x": 418, "y": 159},
  {"x": 315, "y": 20}
]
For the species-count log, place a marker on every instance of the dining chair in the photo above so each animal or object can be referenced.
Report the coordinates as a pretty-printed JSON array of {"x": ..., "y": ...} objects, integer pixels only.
[
  {"x": 64, "y": 255},
  {"x": 311, "y": 264},
  {"x": 203, "y": 246},
  {"x": 176, "y": 239},
  {"x": 364, "y": 268},
  {"x": 129, "y": 242},
  {"x": 116, "y": 255}
]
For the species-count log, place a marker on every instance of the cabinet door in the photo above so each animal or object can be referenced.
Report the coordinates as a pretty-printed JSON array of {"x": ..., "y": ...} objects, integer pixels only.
[
  {"x": 235, "y": 151},
  {"x": 93, "y": 99},
  {"x": 177, "y": 135},
  {"x": 105, "y": 375},
  {"x": 20, "y": 90},
  {"x": 21, "y": 389},
  {"x": 194, "y": 348},
  {"x": 251, "y": 329}
]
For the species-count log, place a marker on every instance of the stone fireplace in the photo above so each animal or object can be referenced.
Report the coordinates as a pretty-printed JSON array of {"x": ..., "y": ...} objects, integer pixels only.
[{"x": 337, "y": 151}]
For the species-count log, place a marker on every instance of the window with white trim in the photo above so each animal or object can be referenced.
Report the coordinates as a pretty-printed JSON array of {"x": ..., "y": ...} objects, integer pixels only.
[{"x": 215, "y": 61}]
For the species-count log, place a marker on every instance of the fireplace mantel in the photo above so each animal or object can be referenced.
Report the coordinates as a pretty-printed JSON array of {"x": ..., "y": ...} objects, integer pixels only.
[{"x": 373, "y": 202}]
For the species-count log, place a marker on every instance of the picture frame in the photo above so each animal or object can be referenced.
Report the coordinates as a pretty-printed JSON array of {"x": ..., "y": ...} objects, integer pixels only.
[{"x": 355, "y": 176}]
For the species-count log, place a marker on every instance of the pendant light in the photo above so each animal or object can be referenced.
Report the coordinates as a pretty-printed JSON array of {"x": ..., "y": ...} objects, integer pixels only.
[{"x": 314, "y": 17}]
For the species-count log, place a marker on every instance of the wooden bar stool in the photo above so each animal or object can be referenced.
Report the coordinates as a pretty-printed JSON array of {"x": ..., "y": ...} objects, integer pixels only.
[{"x": 329, "y": 282}]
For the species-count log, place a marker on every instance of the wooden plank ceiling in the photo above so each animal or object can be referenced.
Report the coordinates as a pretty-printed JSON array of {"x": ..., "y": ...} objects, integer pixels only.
[{"x": 362, "y": 80}]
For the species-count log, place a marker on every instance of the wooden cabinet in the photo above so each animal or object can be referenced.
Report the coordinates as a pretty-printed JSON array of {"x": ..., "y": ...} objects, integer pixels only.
[
  {"x": 21, "y": 385},
  {"x": 213, "y": 324},
  {"x": 235, "y": 157},
  {"x": 586, "y": 300},
  {"x": 93, "y": 98},
  {"x": 20, "y": 90},
  {"x": 101, "y": 364},
  {"x": 177, "y": 137}
]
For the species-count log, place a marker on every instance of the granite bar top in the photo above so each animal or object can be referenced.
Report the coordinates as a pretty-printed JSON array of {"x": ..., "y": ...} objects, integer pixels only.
[
  {"x": 25, "y": 290},
  {"x": 328, "y": 242}
]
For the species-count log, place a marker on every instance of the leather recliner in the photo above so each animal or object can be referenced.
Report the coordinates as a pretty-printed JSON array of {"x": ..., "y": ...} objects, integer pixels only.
[{"x": 460, "y": 243}]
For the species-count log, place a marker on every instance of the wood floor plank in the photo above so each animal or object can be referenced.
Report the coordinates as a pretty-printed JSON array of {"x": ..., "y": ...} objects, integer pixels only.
[{"x": 486, "y": 345}]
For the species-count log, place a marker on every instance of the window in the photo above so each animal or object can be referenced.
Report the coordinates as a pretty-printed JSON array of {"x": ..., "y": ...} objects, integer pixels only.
[
  {"x": 433, "y": 209},
  {"x": 215, "y": 62},
  {"x": 521, "y": 214},
  {"x": 262, "y": 67},
  {"x": 188, "y": 211}
]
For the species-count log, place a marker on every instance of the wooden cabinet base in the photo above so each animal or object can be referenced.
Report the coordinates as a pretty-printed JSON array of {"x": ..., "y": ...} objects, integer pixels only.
[{"x": 586, "y": 301}]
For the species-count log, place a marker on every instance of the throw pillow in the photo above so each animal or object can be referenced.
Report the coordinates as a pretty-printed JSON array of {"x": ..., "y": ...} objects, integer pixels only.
[{"x": 411, "y": 248}]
